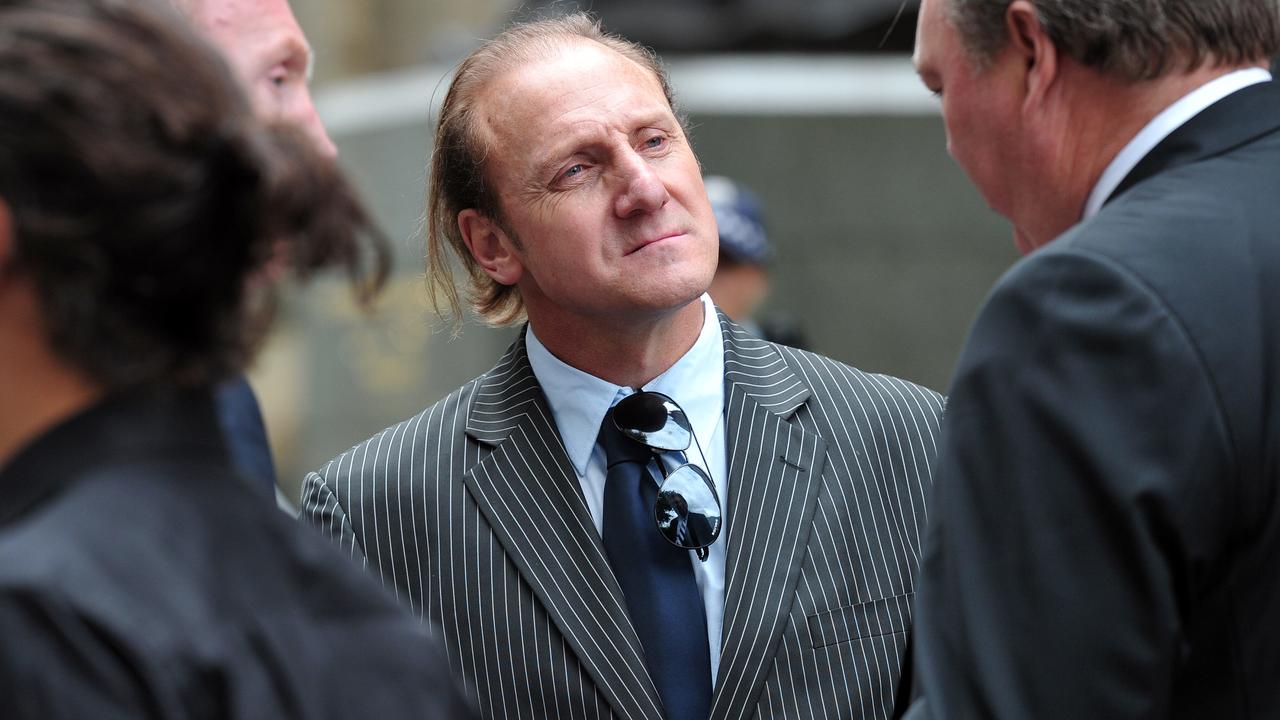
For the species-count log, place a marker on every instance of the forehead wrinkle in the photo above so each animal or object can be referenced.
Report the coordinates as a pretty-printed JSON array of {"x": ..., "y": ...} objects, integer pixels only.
[
  {"x": 569, "y": 128},
  {"x": 591, "y": 130},
  {"x": 592, "y": 134},
  {"x": 530, "y": 69},
  {"x": 584, "y": 135},
  {"x": 618, "y": 101}
]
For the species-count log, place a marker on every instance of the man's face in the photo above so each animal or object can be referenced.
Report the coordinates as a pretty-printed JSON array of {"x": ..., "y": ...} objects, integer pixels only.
[
  {"x": 980, "y": 108},
  {"x": 599, "y": 187},
  {"x": 269, "y": 54}
]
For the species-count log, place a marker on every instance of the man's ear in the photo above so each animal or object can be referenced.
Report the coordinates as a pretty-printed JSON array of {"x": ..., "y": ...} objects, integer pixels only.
[
  {"x": 1029, "y": 41},
  {"x": 491, "y": 246}
]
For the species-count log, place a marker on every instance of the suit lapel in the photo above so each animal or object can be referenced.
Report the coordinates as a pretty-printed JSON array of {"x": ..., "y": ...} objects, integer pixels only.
[
  {"x": 775, "y": 469},
  {"x": 528, "y": 492}
]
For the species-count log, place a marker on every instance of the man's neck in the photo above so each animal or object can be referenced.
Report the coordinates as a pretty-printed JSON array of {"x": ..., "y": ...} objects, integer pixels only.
[
  {"x": 37, "y": 391},
  {"x": 629, "y": 353},
  {"x": 1104, "y": 115}
]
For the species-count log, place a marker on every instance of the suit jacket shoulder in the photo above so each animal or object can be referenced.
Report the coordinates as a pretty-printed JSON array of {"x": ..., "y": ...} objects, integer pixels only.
[
  {"x": 344, "y": 488},
  {"x": 890, "y": 407},
  {"x": 848, "y": 407}
]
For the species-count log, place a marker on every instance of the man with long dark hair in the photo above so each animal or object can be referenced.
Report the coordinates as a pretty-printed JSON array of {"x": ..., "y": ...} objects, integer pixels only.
[{"x": 138, "y": 194}]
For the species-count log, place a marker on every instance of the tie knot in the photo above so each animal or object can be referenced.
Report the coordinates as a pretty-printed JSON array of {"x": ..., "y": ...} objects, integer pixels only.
[{"x": 619, "y": 448}]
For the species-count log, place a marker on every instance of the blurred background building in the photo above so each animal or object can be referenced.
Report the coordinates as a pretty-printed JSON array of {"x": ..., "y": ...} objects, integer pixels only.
[{"x": 883, "y": 251}]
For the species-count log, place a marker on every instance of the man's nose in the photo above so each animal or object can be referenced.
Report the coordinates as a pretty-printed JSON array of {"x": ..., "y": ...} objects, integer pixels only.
[
  {"x": 643, "y": 189},
  {"x": 308, "y": 119}
]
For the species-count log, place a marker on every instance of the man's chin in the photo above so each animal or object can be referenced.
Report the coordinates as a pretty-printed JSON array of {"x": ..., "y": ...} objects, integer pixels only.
[{"x": 674, "y": 300}]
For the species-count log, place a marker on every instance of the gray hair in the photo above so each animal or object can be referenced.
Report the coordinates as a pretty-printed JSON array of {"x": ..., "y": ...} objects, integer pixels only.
[
  {"x": 458, "y": 178},
  {"x": 1134, "y": 39}
]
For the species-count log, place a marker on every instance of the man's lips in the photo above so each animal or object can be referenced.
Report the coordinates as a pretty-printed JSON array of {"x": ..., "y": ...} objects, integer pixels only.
[{"x": 654, "y": 239}]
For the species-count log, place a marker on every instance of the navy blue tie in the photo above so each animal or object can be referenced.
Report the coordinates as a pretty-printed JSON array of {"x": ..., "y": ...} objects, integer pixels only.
[{"x": 657, "y": 580}]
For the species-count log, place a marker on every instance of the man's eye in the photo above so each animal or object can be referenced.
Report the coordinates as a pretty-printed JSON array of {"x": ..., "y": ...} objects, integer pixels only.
[
  {"x": 575, "y": 170},
  {"x": 655, "y": 141}
]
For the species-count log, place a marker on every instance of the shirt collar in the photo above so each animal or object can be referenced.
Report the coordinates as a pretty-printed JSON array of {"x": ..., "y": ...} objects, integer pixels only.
[
  {"x": 580, "y": 400},
  {"x": 1170, "y": 119}
]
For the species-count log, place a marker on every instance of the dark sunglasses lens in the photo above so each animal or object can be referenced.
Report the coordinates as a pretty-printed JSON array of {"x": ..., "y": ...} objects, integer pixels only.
[
  {"x": 687, "y": 511},
  {"x": 654, "y": 420}
]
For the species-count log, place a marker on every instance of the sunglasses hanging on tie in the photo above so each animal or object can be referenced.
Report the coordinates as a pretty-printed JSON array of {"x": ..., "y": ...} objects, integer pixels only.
[{"x": 687, "y": 512}]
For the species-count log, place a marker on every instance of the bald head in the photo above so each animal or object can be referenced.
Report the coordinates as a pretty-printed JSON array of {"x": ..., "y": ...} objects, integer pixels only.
[{"x": 265, "y": 47}]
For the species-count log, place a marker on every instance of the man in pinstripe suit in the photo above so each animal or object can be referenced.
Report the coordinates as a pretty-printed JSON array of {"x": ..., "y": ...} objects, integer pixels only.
[{"x": 563, "y": 181}]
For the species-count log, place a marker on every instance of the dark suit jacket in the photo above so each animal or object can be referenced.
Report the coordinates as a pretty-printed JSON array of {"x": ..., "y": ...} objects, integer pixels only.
[
  {"x": 473, "y": 513},
  {"x": 1106, "y": 535},
  {"x": 139, "y": 577}
]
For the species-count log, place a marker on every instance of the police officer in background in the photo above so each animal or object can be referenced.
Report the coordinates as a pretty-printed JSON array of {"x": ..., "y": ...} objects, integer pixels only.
[{"x": 741, "y": 282}]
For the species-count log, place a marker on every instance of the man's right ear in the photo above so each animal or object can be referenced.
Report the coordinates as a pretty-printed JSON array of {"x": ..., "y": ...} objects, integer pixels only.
[
  {"x": 491, "y": 246},
  {"x": 1030, "y": 41}
]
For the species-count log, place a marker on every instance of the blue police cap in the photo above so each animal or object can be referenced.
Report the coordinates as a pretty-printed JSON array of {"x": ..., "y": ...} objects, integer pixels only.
[{"x": 737, "y": 211}]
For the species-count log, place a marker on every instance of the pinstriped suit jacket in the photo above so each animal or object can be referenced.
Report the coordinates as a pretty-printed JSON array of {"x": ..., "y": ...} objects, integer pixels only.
[{"x": 472, "y": 513}]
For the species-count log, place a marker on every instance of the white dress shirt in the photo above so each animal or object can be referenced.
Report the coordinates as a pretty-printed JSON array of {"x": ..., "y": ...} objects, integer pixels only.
[
  {"x": 579, "y": 402},
  {"x": 1170, "y": 119}
]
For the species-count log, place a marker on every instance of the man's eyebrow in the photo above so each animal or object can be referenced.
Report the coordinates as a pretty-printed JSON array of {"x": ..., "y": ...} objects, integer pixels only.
[
  {"x": 572, "y": 143},
  {"x": 550, "y": 162}
]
